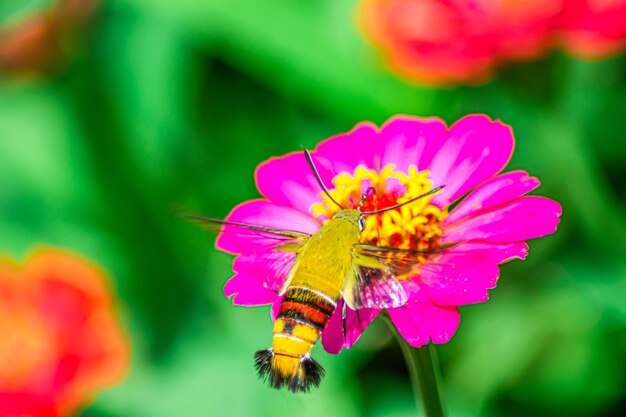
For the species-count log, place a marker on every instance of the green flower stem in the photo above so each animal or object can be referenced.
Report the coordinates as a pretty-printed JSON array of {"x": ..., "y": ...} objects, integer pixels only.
[{"x": 423, "y": 367}]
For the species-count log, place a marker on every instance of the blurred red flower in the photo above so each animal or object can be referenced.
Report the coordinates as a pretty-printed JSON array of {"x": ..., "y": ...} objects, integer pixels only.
[
  {"x": 593, "y": 28},
  {"x": 60, "y": 340},
  {"x": 451, "y": 41}
]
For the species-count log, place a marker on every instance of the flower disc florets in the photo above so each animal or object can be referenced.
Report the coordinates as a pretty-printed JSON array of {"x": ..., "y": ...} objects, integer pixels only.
[{"x": 416, "y": 225}]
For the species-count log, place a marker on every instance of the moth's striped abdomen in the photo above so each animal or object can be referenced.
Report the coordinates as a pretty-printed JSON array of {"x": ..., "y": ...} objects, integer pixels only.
[
  {"x": 303, "y": 315},
  {"x": 313, "y": 289}
]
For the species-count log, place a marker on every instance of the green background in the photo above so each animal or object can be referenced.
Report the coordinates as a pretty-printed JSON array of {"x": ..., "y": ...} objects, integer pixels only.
[{"x": 168, "y": 104}]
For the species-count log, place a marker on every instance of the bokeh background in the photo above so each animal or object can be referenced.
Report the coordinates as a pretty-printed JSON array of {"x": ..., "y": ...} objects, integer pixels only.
[{"x": 128, "y": 110}]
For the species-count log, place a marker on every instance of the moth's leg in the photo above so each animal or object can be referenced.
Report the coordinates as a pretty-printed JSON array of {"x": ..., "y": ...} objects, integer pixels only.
[
  {"x": 344, "y": 314},
  {"x": 358, "y": 316}
]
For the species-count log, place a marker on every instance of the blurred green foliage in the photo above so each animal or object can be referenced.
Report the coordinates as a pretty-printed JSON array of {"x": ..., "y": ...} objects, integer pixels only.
[
  {"x": 173, "y": 104},
  {"x": 13, "y": 10}
]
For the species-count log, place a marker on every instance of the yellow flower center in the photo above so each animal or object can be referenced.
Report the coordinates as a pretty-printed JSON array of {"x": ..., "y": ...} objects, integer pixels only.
[{"x": 415, "y": 225}]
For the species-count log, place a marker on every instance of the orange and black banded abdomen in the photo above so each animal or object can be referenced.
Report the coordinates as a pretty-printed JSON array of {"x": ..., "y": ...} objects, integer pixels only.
[
  {"x": 302, "y": 317},
  {"x": 304, "y": 306}
]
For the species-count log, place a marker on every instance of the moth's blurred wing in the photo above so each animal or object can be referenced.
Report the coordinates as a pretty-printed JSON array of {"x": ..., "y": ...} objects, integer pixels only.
[
  {"x": 372, "y": 284},
  {"x": 400, "y": 261},
  {"x": 289, "y": 239},
  {"x": 278, "y": 244}
]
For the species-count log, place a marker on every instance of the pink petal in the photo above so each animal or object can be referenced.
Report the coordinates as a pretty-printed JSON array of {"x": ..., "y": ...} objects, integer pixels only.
[
  {"x": 235, "y": 239},
  {"x": 420, "y": 321},
  {"x": 276, "y": 307},
  {"x": 475, "y": 149},
  {"x": 411, "y": 141},
  {"x": 258, "y": 277},
  {"x": 463, "y": 274},
  {"x": 332, "y": 337},
  {"x": 494, "y": 192},
  {"x": 288, "y": 180},
  {"x": 346, "y": 151},
  {"x": 522, "y": 219}
]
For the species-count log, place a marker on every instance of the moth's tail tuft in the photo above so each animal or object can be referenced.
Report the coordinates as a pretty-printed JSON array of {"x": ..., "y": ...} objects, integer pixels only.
[
  {"x": 263, "y": 362},
  {"x": 298, "y": 374},
  {"x": 309, "y": 375}
]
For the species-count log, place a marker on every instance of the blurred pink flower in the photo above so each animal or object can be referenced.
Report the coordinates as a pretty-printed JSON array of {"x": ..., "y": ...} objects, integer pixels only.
[
  {"x": 593, "y": 28},
  {"x": 452, "y": 41},
  {"x": 404, "y": 158},
  {"x": 457, "y": 41},
  {"x": 61, "y": 343}
]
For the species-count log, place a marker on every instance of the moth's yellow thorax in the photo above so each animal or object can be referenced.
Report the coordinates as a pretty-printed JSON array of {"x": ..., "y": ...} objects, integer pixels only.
[{"x": 326, "y": 259}]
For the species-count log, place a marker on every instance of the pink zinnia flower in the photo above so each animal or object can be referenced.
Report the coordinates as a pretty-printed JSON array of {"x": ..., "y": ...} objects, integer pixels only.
[{"x": 490, "y": 222}]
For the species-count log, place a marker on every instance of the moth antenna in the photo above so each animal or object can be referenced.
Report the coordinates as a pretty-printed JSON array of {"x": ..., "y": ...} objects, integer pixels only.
[
  {"x": 309, "y": 160},
  {"x": 365, "y": 195},
  {"x": 433, "y": 191},
  {"x": 377, "y": 220}
]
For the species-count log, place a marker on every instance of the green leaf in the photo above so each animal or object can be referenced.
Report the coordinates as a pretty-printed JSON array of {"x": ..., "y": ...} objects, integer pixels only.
[{"x": 314, "y": 52}]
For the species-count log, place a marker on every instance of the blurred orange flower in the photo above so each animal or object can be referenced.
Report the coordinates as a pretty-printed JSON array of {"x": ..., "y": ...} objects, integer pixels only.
[
  {"x": 39, "y": 42},
  {"x": 452, "y": 41},
  {"x": 60, "y": 340}
]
